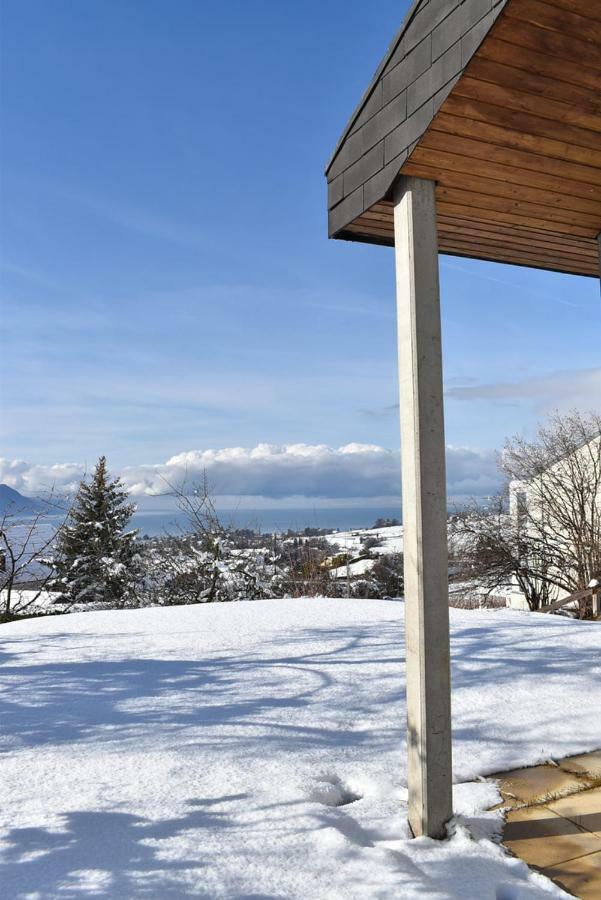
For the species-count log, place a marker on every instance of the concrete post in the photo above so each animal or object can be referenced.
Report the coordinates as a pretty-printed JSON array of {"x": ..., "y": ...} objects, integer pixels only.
[{"x": 424, "y": 508}]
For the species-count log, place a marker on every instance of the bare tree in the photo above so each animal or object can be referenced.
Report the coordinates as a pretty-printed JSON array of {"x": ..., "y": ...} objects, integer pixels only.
[
  {"x": 24, "y": 545},
  {"x": 492, "y": 554},
  {"x": 561, "y": 517},
  {"x": 204, "y": 534},
  {"x": 203, "y": 564},
  {"x": 307, "y": 571},
  {"x": 551, "y": 539}
]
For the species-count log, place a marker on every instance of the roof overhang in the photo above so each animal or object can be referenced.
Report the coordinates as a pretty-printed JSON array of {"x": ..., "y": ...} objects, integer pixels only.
[{"x": 499, "y": 103}]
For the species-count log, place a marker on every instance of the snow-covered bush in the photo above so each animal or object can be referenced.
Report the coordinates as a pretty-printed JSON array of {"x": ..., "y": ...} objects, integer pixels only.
[
  {"x": 383, "y": 578},
  {"x": 206, "y": 568}
]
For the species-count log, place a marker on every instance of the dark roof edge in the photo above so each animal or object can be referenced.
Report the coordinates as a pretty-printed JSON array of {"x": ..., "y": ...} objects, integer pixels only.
[{"x": 413, "y": 9}]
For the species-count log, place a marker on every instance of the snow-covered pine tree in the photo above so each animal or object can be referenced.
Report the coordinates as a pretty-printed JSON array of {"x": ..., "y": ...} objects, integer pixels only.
[{"x": 96, "y": 559}]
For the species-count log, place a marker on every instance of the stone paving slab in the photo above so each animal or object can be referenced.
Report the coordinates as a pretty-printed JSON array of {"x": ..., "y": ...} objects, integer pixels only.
[
  {"x": 542, "y": 838},
  {"x": 584, "y": 809},
  {"x": 586, "y": 763},
  {"x": 580, "y": 877},
  {"x": 538, "y": 782},
  {"x": 554, "y": 821}
]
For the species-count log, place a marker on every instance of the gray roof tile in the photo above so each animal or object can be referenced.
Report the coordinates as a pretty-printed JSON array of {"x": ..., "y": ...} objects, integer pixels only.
[{"x": 424, "y": 62}]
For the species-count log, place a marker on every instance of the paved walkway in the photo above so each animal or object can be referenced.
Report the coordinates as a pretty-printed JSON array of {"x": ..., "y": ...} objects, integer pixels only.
[{"x": 554, "y": 821}]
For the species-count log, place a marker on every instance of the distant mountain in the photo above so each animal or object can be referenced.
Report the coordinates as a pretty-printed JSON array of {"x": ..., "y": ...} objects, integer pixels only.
[{"x": 12, "y": 501}]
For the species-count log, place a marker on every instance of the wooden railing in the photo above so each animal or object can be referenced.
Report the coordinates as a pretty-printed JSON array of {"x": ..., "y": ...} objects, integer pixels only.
[{"x": 576, "y": 597}]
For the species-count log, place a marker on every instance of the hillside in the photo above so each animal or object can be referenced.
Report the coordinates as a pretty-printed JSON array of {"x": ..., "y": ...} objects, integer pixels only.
[
  {"x": 203, "y": 750},
  {"x": 14, "y": 503}
]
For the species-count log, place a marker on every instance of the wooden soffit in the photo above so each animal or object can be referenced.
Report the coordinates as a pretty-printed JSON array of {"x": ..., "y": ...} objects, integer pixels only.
[{"x": 514, "y": 147}]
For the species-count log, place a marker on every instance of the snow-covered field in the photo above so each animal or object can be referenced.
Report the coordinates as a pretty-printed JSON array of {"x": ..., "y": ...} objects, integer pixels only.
[
  {"x": 203, "y": 751},
  {"x": 391, "y": 538},
  {"x": 361, "y": 567}
]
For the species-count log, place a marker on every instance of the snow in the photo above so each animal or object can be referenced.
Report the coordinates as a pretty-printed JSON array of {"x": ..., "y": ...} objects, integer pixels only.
[
  {"x": 31, "y": 600},
  {"x": 204, "y": 751},
  {"x": 391, "y": 538},
  {"x": 360, "y": 567}
]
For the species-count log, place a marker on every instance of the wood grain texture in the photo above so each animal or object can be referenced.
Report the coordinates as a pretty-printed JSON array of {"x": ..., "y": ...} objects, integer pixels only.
[
  {"x": 568, "y": 71},
  {"x": 589, "y": 8}
]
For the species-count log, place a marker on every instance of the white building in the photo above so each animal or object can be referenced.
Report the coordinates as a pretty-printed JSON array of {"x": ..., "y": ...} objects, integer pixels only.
[{"x": 562, "y": 506}]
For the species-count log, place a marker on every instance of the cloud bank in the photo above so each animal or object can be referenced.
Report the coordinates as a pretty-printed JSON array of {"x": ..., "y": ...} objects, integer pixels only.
[
  {"x": 31, "y": 479},
  {"x": 354, "y": 471}
]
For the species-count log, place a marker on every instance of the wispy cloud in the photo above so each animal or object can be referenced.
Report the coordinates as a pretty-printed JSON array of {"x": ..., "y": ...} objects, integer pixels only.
[
  {"x": 143, "y": 221},
  {"x": 560, "y": 389},
  {"x": 474, "y": 271}
]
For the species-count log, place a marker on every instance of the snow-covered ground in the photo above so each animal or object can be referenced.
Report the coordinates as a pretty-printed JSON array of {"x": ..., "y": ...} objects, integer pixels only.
[
  {"x": 202, "y": 751},
  {"x": 352, "y": 542},
  {"x": 354, "y": 569},
  {"x": 29, "y": 600}
]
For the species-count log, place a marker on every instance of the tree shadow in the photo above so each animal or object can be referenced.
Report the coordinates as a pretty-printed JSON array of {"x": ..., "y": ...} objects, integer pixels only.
[
  {"x": 284, "y": 690},
  {"x": 53, "y": 703},
  {"x": 108, "y": 854}
]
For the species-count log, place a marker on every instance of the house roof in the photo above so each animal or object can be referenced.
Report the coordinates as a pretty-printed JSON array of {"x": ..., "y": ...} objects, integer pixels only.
[
  {"x": 498, "y": 101},
  {"x": 384, "y": 64}
]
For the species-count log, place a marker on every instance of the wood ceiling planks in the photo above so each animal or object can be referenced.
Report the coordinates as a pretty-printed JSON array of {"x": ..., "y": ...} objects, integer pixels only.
[
  {"x": 515, "y": 148},
  {"x": 585, "y": 7},
  {"x": 533, "y": 62}
]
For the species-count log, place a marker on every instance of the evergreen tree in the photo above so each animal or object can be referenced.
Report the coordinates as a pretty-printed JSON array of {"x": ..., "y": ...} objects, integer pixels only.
[{"x": 96, "y": 560}]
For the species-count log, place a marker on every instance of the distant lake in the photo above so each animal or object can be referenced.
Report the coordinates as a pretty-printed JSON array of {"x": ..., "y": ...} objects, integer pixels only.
[
  {"x": 165, "y": 521},
  {"x": 264, "y": 521},
  {"x": 269, "y": 520}
]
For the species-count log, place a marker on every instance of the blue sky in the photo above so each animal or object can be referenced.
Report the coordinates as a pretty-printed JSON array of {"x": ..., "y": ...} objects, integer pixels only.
[{"x": 167, "y": 284}]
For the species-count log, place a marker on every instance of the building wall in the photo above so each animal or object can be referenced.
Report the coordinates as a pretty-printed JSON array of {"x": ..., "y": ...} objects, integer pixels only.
[{"x": 526, "y": 496}]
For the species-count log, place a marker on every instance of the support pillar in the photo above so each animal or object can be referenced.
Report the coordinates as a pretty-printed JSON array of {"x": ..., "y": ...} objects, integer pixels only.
[{"x": 424, "y": 508}]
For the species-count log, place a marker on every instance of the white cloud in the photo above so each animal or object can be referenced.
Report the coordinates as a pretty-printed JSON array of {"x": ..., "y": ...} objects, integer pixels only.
[
  {"x": 353, "y": 471},
  {"x": 33, "y": 479}
]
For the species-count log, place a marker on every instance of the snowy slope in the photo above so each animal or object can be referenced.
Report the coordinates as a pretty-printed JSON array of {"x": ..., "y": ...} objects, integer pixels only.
[
  {"x": 352, "y": 569},
  {"x": 352, "y": 541},
  {"x": 201, "y": 751}
]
